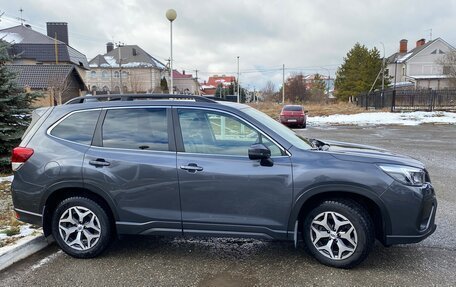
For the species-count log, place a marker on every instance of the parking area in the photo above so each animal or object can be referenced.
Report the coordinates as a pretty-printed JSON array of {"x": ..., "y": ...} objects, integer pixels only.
[{"x": 151, "y": 261}]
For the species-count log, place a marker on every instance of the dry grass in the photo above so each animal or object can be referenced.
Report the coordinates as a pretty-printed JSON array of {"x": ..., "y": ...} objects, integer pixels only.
[{"x": 273, "y": 109}]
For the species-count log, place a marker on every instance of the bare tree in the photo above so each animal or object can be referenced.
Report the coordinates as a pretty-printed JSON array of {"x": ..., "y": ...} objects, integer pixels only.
[
  {"x": 269, "y": 90},
  {"x": 58, "y": 88},
  {"x": 135, "y": 81},
  {"x": 448, "y": 63}
]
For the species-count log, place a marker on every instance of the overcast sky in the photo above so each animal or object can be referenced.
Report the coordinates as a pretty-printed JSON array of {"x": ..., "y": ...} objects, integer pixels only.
[{"x": 306, "y": 36}]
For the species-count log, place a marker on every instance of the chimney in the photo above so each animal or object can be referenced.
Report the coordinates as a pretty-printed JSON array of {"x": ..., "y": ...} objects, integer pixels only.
[
  {"x": 109, "y": 47},
  {"x": 183, "y": 72},
  {"x": 28, "y": 26},
  {"x": 58, "y": 28},
  {"x": 420, "y": 42},
  {"x": 133, "y": 51},
  {"x": 403, "y": 46}
]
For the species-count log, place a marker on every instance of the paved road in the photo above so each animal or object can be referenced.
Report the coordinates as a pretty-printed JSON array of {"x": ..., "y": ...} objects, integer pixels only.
[{"x": 137, "y": 261}]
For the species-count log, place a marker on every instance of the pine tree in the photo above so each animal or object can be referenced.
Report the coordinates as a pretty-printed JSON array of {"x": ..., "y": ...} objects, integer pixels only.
[
  {"x": 358, "y": 72},
  {"x": 15, "y": 109},
  {"x": 164, "y": 85}
]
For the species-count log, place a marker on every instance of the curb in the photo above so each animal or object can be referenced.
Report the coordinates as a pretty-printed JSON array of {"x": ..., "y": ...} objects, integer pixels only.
[{"x": 23, "y": 248}]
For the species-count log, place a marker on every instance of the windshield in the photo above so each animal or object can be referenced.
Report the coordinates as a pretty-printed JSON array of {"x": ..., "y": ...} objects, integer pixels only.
[{"x": 280, "y": 129}]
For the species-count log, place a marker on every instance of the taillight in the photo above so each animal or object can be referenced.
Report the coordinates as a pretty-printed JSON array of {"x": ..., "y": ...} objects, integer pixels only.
[{"x": 20, "y": 156}]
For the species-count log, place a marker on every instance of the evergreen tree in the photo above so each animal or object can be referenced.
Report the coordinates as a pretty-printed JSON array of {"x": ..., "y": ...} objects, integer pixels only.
[
  {"x": 15, "y": 110},
  {"x": 318, "y": 89},
  {"x": 358, "y": 72},
  {"x": 164, "y": 85}
]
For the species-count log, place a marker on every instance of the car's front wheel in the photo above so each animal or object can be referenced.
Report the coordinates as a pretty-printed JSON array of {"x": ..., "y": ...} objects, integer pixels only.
[
  {"x": 81, "y": 227},
  {"x": 339, "y": 233}
]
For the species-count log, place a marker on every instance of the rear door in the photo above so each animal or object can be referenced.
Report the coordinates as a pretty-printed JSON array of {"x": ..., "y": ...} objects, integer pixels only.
[{"x": 133, "y": 160}]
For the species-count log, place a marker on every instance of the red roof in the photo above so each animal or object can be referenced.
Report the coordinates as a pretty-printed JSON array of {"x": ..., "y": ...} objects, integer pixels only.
[
  {"x": 177, "y": 75},
  {"x": 216, "y": 80}
]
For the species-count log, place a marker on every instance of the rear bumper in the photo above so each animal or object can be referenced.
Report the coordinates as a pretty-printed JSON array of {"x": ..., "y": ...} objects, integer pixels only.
[{"x": 29, "y": 217}]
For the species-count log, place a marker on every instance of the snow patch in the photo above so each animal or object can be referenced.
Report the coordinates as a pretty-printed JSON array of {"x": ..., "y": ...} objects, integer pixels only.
[
  {"x": 7, "y": 178},
  {"x": 46, "y": 260},
  {"x": 383, "y": 118},
  {"x": 12, "y": 38},
  {"x": 111, "y": 61}
]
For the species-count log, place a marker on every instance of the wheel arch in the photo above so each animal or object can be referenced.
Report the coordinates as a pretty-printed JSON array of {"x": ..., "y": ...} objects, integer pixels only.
[
  {"x": 374, "y": 206},
  {"x": 59, "y": 192}
]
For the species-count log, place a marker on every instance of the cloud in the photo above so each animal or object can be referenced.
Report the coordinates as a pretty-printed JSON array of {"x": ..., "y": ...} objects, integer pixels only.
[{"x": 209, "y": 35}]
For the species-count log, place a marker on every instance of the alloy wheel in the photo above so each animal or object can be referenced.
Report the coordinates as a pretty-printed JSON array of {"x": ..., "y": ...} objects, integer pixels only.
[
  {"x": 333, "y": 235},
  {"x": 79, "y": 228}
]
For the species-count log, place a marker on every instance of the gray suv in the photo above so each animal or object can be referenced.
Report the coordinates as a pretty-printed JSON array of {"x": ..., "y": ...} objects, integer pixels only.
[{"x": 99, "y": 166}]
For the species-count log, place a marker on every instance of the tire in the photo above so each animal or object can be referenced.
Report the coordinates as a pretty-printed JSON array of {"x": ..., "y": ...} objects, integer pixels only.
[
  {"x": 81, "y": 227},
  {"x": 304, "y": 125},
  {"x": 345, "y": 247}
]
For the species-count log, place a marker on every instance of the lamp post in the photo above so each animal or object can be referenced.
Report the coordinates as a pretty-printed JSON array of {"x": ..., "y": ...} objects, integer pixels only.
[
  {"x": 238, "y": 83},
  {"x": 171, "y": 15},
  {"x": 383, "y": 73}
]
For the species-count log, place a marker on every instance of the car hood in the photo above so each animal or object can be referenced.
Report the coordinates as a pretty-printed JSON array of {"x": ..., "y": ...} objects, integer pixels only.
[{"x": 365, "y": 153}]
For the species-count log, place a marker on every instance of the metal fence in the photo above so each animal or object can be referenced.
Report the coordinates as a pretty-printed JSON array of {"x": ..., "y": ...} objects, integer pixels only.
[{"x": 409, "y": 100}]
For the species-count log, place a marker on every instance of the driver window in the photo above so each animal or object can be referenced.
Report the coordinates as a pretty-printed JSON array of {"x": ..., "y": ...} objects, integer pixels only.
[{"x": 218, "y": 133}]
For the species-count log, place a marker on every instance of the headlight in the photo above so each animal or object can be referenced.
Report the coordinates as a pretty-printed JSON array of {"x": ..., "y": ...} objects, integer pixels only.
[{"x": 405, "y": 174}]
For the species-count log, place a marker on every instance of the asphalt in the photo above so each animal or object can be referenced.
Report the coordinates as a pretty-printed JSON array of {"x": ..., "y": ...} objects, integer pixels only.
[{"x": 159, "y": 261}]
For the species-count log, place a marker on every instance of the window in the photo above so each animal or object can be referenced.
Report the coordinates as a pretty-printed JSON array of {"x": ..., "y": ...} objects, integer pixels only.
[
  {"x": 116, "y": 74},
  {"x": 124, "y": 74},
  {"x": 105, "y": 89},
  {"x": 217, "y": 133},
  {"x": 293, "y": 108},
  {"x": 144, "y": 129},
  {"x": 104, "y": 74},
  {"x": 78, "y": 127},
  {"x": 117, "y": 89},
  {"x": 94, "y": 88},
  {"x": 93, "y": 74}
]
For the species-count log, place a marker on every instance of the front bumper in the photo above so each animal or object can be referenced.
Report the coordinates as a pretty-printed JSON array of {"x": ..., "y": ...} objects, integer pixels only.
[{"x": 412, "y": 213}]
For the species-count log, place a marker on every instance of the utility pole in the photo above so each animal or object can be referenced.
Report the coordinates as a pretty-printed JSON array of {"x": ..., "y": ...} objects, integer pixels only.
[
  {"x": 238, "y": 82},
  {"x": 197, "y": 82},
  {"x": 283, "y": 84},
  {"x": 119, "y": 46}
]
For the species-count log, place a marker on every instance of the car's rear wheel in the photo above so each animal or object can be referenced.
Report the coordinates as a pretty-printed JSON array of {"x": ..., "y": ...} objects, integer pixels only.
[
  {"x": 339, "y": 233},
  {"x": 81, "y": 227}
]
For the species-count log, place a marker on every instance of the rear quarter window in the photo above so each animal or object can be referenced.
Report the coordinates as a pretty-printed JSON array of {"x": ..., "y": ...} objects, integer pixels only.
[{"x": 77, "y": 127}]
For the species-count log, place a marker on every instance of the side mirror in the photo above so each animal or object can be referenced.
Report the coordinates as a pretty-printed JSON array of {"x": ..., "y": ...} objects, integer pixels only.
[{"x": 261, "y": 152}]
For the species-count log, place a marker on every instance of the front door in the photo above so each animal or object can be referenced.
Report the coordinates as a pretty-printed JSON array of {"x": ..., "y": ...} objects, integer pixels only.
[{"x": 222, "y": 190}]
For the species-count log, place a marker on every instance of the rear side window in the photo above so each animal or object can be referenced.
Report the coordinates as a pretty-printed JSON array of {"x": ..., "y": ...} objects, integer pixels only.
[
  {"x": 142, "y": 128},
  {"x": 77, "y": 127}
]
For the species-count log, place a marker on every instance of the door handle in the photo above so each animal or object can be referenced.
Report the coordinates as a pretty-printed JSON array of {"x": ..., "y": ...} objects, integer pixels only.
[
  {"x": 191, "y": 167},
  {"x": 99, "y": 162}
]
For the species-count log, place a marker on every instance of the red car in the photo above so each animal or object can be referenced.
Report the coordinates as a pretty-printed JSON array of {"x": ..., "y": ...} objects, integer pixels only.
[{"x": 293, "y": 115}]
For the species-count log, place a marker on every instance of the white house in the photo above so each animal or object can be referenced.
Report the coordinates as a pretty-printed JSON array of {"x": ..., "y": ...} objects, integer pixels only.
[{"x": 419, "y": 67}]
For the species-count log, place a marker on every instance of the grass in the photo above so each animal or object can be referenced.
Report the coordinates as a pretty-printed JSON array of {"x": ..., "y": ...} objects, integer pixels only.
[{"x": 273, "y": 109}]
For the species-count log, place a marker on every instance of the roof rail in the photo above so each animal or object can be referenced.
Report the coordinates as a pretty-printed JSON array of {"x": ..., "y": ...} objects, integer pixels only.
[{"x": 131, "y": 97}]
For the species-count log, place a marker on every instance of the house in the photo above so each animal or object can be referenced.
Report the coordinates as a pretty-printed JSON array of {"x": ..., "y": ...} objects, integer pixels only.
[
  {"x": 419, "y": 67},
  {"x": 60, "y": 83},
  {"x": 208, "y": 88},
  {"x": 185, "y": 83},
  {"x": 124, "y": 69},
  {"x": 46, "y": 63},
  {"x": 329, "y": 83}
]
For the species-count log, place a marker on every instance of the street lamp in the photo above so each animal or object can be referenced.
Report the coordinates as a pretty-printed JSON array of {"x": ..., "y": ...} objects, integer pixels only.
[
  {"x": 238, "y": 81},
  {"x": 171, "y": 15}
]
